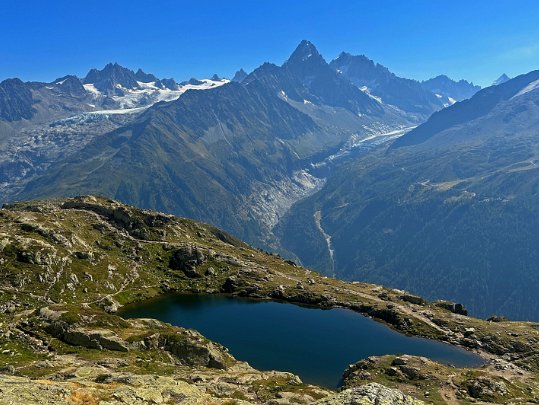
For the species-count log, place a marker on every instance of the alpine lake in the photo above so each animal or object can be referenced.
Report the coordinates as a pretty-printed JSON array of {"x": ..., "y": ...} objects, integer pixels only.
[{"x": 316, "y": 344}]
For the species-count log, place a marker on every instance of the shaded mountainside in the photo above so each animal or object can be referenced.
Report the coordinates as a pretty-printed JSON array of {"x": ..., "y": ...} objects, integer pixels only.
[
  {"x": 194, "y": 156},
  {"x": 69, "y": 265},
  {"x": 15, "y": 100},
  {"x": 449, "y": 211},
  {"x": 408, "y": 95}
]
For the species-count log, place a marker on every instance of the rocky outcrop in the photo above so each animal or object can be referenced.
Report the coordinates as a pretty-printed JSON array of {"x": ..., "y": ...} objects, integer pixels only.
[
  {"x": 190, "y": 348},
  {"x": 186, "y": 259},
  {"x": 91, "y": 339},
  {"x": 375, "y": 394},
  {"x": 453, "y": 307},
  {"x": 139, "y": 224},
  {"x": 486, "y": 389},
  {"x": 413, "y": 299}
]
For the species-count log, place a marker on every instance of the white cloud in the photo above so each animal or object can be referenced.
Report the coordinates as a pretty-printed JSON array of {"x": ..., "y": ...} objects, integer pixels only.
[{"x": 521, "y": 52}]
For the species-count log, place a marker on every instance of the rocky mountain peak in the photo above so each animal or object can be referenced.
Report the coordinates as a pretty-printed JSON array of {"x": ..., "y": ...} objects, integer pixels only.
[
  {"x": 142, "y": 76},
  {"x": 15, "y": 100},
  {"x": 502, "y": 79},
  {"x": 70, "y": 85},
  {"x": 305, "y": 53},
  {"x": 110, "y": 77},
  {"x": 239, "y": 76}
]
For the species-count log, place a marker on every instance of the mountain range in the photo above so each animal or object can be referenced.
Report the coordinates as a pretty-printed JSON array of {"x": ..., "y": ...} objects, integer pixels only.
[
  {"x": 444, "y": 87},
  {"x": 344, "y": 166},
  {"x": 235, "y": 156}
]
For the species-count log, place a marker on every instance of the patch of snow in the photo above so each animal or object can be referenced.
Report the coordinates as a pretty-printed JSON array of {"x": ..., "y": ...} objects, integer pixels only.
[
  {"x": 306, "y": 102},
  {"x": 91, "y": 89},
  {"x": 367, "y": 91},
  {"x": 357, "y": 141},
  {"x": 149, "y": 85},
  {"x": 530, "y": 87},
  {"x": 148, "y": 93},
  {"x": 120, "y": 111},
  {"x": 438, "y": 95},
  {"x": 451, "y": 100}
]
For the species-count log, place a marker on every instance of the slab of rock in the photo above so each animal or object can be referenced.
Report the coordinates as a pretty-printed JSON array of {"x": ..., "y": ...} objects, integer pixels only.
[{"x": 370, "y": 394}]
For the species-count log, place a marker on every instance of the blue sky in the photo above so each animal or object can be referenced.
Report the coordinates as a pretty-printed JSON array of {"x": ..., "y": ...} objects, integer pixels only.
[{"x": 475, "y": 39}]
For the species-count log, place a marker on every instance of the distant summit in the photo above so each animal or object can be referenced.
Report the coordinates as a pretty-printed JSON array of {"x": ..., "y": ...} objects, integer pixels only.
[
  {"x": 377, "y": 81},
  {"x": 446, "y": 87},
  {"x": 305, "y": 56},
  {"x": 111, "y": 78},
  {"x": 141, "y": 76},
  {"x": 114, "y": 79},
  {"x": 239, "y": 76},
  {"x": 502, "y": 79},
  {"x": 70, "y": 85}
]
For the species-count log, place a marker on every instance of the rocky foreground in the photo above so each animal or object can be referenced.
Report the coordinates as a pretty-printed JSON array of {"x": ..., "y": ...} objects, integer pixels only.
[{"x": 67, "y": 266}]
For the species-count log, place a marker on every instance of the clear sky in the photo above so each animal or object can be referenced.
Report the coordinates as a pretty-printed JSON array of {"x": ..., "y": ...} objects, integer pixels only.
[{"x": 474, "y": 39}]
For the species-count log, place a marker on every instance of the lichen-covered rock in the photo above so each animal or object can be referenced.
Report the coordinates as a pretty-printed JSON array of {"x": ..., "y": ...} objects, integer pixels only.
[
  {"x": 142, "y": 390},
  {"x": 375, "y": 394},
  {"x": 192, "y": 349}
]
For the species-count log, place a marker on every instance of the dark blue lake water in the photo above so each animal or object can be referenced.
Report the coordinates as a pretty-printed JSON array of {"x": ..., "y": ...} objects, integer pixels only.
[{"x": 313, "y": 343}]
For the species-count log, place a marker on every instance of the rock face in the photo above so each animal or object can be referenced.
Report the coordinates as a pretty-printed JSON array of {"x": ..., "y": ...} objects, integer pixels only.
[{"x": 375, "y": 394}]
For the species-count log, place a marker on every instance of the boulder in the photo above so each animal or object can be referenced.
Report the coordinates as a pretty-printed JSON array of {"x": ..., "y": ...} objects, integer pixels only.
[
  {"x": 413, "y": 299},
  {"x": 186, "y": 259},
  {"x": 485, "y": 389},
  {"x": 453, "y": 307}
]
